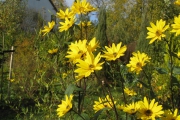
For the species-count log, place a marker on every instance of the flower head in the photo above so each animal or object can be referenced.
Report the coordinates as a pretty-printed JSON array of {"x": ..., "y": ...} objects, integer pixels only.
[
  {"x": 82, "y": 7},
  {"x": 53, "y": 51},
  {"x": 129, "y": 92},
  {"x": 177, "y": 2},
  {"x": 149, "y": 110},
  {"x": 176, "y": 25},
  {"x": 65, "y": 106},
  {"x": 131, "y": 108},
  {"x": 48, "y": 28},
  {"x": 77, "y": 50},
  {"x": 168, "y": 115},
  {"x": 137, "y": 61},
  {"x": 85, "y": 24},
  {"x": 103, "y": 103},
  {"x": 114, "y": 52},
  {"x": 178, "y": 54},
  {"x": 92, "y": 45},
  {"x": 66, "y": 25},
  {"x": 63, "y": 15},
  {"x": 156, "y": 31},
  {"x": 88, "y": 65}
]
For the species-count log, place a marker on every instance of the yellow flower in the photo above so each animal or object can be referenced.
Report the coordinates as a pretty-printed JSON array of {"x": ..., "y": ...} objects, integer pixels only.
[
  {"x": 114, "y": 52},
  {"x": 129, "y": 92},
  {"x": 63, "y": 15},
  {"x": 85, "y": 24},
  {"x": 149, "y": 111},
  {"x": 176, "y": 25},
  {"x": 178, "y": 54},
  {"x": 103, "y": 103},
  {"x": 48, "y": 28},
  {"x": 66, "y": 25},
  {"x": 168, "y": 115},
  {"x": 120, "y": 107},
  {"x": 177, "y": 2},
  {"x": 65, "y": 106},
  {"x": 89, "y": 65},
  {"x": 77, "y": 50},
  {"x": 53, "y": 51},
  {"x": 82, "y": 7},
  {"x": 156, "y": 31},
  {"x": 132, "y": 108},
  {"x": 137, "y": 61},
  {"x": 93, "y": 44}
]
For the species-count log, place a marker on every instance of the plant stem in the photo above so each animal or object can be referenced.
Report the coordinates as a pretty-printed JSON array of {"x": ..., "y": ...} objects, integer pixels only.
[
  {"x": 114, "y": 106},
  {"x": 78, "y": 114}
]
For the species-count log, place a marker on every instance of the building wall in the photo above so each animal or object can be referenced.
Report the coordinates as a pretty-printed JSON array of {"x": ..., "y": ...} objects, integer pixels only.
[{"x": 44, "y": 7}]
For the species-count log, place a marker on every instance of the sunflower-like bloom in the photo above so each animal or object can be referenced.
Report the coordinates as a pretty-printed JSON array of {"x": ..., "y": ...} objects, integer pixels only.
[
  {"x": 114, "y": 52},
  {"x": 168, "y": 115},
  {"x": 66, "y": 25},
  {"x": 65, "y": 106},
  {"x": 149, "y": 111},
  {"x": 131, "y": 108},
  {"x": 176, "y": 25},
  {"x": 89, "y": 65},
  {"x": 137, "y": 61},
  {"x": 82, "y": 7},
  {"x": 77, "y": 50},
  {"x": 177, "y": 2},
  {"x": 156, "y": 31},
  {"x": 63, "y": 15},
  {"x": 48, "y": 28},
  {"x": 103, "y": 103},
  {"x": 53, "y": 51},
  {"x": 129, "y": 92},
  {"x": 92, "y": 45}
]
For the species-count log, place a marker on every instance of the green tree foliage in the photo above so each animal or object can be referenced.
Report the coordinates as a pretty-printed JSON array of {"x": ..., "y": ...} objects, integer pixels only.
[
  {"x": 102, "y": 27},
  {"x": 11, "y": 17}
]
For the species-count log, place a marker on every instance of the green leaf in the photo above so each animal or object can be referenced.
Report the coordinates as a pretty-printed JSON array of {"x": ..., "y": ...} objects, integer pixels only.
[
  {"x": 96, "y": 115},
  {"x": 161, "y": 70},
  {"x": 176, "y": 70},
  {"x": 71, "y": 88},
  {"x": 175, "y": 81},
  {"x": 85, "y": 116}
]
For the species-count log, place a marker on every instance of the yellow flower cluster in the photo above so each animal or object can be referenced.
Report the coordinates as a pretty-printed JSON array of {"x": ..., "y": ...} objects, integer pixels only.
[
  {"x": 156, "y": 32},
  {"x": 67, "y": 17}
]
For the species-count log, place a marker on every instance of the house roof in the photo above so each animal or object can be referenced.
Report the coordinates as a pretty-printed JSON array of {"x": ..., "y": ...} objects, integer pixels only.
[{"x": 55, "y": 8}]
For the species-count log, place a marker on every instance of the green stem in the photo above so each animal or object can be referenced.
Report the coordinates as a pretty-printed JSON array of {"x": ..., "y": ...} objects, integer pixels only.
[
  {"x": 170, "y": 45},
  {"x": 78, "y": 114},
  {"x": 152, "y": 95},
  {"x": 109, "y": 92}
]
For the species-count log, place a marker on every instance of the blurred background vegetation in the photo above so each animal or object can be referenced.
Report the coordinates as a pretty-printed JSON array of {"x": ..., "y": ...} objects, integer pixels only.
[{"x": 37, "y": 81}]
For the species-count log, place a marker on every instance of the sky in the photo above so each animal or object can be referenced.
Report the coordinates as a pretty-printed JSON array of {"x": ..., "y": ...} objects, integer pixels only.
[{"x": 69, "y": 2}]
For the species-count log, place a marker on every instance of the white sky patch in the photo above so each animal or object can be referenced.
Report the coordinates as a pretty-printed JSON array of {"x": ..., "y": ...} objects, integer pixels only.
[{"x": 69, "y": 2}]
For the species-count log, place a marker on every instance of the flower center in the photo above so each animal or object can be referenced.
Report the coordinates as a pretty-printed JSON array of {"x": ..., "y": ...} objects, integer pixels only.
[
  {"x": 91, "y": 66},
  {"x": 158, "y": 33},
  {"x": 139, "y": 65},
  {"x": 148, "y": 112},
  {"x": 81, "y": 9},
  {"x": 114, "y": 54},
  {"x": 133, "y": 111}
]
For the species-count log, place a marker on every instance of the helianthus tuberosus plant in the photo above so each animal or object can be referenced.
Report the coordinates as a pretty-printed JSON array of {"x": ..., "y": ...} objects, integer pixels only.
[{"x": 87, "y": 58}]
